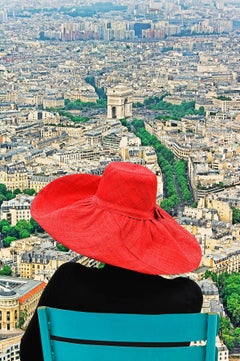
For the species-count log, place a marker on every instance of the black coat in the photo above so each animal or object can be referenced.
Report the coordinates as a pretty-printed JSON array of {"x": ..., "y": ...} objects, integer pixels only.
[{"x": 110, "y": 289}]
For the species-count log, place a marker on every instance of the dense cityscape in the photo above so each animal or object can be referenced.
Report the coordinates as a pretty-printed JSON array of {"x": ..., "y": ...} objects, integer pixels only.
[{"x": 153, "y": 83}]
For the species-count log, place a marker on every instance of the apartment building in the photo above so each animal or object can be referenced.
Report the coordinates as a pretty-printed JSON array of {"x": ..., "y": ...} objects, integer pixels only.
[
  {"x": 227, "y": 261},
  {"x": 18, "y": 301},
  {"x": 53, "y": 102},
  {"x": 14, "y": 177},
  {"x": 9, "y": 347},
  {"x": 37, "y": 182},
  {"x": 16, "y": 209},
  {"x": 40, "y": 262}
]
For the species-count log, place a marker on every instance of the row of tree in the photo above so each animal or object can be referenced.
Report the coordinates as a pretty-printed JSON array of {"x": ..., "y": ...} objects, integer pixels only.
[
  {"x": 73, "y": 118},
  {"x": 79, "y": 105},
  {"x": 180, "y": 168},
  {"x": 174, "y": 172},
  {"x": 229, "y": 290},
  {"x": 100, "y": 91},
  {"x": 176, "y": 189},
  {"x": 173, "y": 111}
]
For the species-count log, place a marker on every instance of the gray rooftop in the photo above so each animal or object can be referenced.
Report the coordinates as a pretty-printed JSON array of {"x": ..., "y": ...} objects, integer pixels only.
[{"x": 10, "y": 286}]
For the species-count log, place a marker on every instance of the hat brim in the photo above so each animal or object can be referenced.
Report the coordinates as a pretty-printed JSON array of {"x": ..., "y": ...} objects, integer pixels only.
[{"x": 65, "y": 208}]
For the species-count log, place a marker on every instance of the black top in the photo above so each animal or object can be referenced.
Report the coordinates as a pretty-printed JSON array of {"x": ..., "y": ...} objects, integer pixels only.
[{"x": 110, "y": 289}]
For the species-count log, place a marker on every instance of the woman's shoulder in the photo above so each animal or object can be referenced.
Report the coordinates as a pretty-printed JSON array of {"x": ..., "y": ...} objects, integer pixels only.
[
  {"x": 185, "y": 284},
  {"x": 191, "y": 293}
]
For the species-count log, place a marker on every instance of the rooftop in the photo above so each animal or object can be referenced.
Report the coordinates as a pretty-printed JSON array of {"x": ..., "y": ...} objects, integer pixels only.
[{"x": 20, "y": 287}]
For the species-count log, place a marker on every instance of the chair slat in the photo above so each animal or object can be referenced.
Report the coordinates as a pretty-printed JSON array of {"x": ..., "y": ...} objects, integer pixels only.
[
  {"x": 108, "y": 353},
  {"x": 77, "y": 327},
  {"x": 45, "y": 334},
  {"x": 131, "y": 326}
]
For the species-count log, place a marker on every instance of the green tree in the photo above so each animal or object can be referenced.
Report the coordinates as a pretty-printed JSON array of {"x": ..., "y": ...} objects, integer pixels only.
[
  {"x": 13, "y": 231},
  {"x": 3, "y": 189},
  {"x": 6, "y": 270},
  {"x": 6, "y": 229},
  {"x": 172, "y": 111},
  {"x": 23, "y": 225},
  {"x": 237, "y": 336},
  {"x": 8, "y": 240},
  {"x": 29, "y": 192},
  {"x": 210, "y": 274},
  {"x": 233, "y": 301},
  {"x": 10, "y": 195},
  {"x": 223, "y": 97},
  {"x": 17, "y": 191},
  {"x": 3, "y": 223},
  {"x": 24, "y": 233},
  {"x": 236, "y": 314},
  {"x": 100, "y": 91},
  {"x": 36, "y": 228},
  {"x": 22, "y": 318},
  {"x": 201, "y": 111},
  {"x": 167, "y": 204},
  {"x": 138, "y": 105},
  {"x": 230, "y": 289},
  {"x": 173, "y": 172},
  {"x": 235, "y": 215},
  {"x": 2, "y": 198},
  {"x": 229, "y": 340},
  {"x": 61, "y": 247}
]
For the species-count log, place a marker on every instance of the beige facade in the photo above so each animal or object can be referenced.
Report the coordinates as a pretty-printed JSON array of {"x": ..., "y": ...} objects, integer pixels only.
[
  {"x": 33, "y": 269},
  {"x": 181, "y": 151},
  {"x": 43, "y": 268},
  {"x": 227, "y": 105},
  {"x": 18, "y": 301},
  {"x": 88, "y": 97},
  {"x": 223, "y": 208},
  {"x": 14, "y": 179},
  {"x": 77, "y": 154},
  {"x": 173, "y": 100},
  {"x": 53, "y": 102},
  {"x": 229, "y": 262},
  {"x": 84, "y": 96},
  {"x": 75, "y": 130},
  {"x": 146, "y": 154},
  {"x": 38, "y": 182},
  {"x": 40, "y": 260},
  {"x": 149, "y": 155},
  {"x": 9, "y": 348},
  {"x": 16, "y": 209}
]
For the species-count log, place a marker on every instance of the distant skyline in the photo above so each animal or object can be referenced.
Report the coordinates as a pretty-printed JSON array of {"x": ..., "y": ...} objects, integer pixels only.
[{"x": 37, "y": 3}]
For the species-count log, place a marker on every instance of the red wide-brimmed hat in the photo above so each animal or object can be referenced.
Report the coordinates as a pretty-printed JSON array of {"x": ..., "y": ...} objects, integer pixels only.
[{"x": 114, "y": 218}]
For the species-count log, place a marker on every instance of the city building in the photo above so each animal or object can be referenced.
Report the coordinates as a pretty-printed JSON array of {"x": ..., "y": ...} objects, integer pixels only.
[
  {"x": 16, "y": 209},
  {"x": 14, "y": 177},
  {"x": 9, "y": 347},
  {"x": 18, "y": 301}
]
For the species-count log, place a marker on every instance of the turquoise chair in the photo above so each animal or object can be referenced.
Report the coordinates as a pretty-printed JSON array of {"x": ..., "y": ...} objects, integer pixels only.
[{"x": 74, "y": 335}]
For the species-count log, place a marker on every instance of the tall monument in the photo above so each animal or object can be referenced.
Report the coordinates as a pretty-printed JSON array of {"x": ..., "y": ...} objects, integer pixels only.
[{"x": 119, "y": 102}]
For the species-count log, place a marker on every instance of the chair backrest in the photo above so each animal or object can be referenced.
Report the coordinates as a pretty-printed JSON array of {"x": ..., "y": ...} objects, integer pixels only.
[{"x": 74, "y": 335}]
